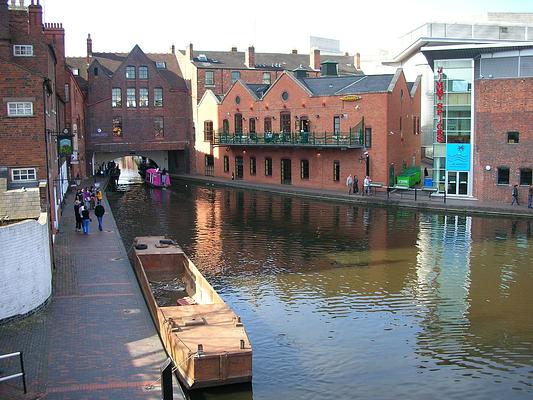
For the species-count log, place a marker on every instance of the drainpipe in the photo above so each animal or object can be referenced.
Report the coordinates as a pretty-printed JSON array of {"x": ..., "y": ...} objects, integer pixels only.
[{"x": 49, "y": 209}]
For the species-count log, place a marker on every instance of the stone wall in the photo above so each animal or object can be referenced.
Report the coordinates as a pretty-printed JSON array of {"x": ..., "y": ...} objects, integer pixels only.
[{"x": 25, "y": 267}]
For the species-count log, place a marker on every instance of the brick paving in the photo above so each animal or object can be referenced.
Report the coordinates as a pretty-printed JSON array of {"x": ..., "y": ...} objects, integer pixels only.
[{"x": 95, "y": 339}]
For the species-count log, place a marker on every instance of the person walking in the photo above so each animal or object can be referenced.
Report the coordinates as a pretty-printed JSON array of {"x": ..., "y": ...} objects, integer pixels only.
[
  {"x": 515, "y": 195},
  {"x": 99, "y": 211},
  {"x": 366, "y": 185},
  {"x": 349, "y": 183},
  {"x": 355, "y": 184},
  {"x": 77, "y": 205},
  {"x": 85, "y": 219},
  {"x": 530, "y": 196}
]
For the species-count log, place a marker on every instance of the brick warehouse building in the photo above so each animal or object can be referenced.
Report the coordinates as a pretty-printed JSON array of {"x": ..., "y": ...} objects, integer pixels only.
[
  {"x": 484, "y": 143},
  {"x": 313, "y": 132},
  {"x": 32, "y": 64},
  {"x": 136, "y": 103}
]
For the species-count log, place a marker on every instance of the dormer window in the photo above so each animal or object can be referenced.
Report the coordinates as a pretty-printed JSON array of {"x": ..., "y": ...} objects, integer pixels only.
[
  {"x": 130, "y": 72},
  {"x": 161, "y": 65},
  {"x": 23, "y": 50},
  {"x": 75, "y": 71}
]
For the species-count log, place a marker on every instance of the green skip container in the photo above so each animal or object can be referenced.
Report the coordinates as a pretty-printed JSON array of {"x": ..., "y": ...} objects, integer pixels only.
[{"x": 409, "y": 177}]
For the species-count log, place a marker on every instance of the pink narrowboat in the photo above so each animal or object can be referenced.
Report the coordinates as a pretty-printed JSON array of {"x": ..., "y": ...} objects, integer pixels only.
[{"x": 156, "y": 178}]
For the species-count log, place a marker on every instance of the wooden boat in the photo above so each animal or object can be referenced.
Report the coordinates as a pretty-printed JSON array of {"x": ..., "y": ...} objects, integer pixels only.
[
  {"x": 154, "y": 177},
  {"x": 203, "y": 336}
]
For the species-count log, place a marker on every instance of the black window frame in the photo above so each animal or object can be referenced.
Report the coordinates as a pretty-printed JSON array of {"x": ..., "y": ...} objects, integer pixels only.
[
  {"x": 368, "y": 137},
  {"x": 268, "y": 166},
  {"x": 526, "y": 177},
  {"x": 336, "y": 171},
  {"x": 226, "y": 164},
  {"x": 253, "y": 166},
  {"x": 503, "y": 176},
  {"x": 510, "y": 139},
  {"x": 304, "y": 169}
]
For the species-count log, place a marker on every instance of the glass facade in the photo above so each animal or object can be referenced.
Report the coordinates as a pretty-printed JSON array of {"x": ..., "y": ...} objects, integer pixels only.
[{"x": 452, "y": 126}]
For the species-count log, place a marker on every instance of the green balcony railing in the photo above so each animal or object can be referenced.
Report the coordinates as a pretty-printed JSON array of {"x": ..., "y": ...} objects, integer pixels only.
[{"x": 306, "y": 139}]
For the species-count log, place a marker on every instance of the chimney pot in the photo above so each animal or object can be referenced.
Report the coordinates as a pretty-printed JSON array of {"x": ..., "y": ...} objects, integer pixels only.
[
  {"x": 89, "y": 48},
  {"x": 250, "y": 57},
  {"x": 357, "y": 61},
  {"x": 189, "y": 52}
]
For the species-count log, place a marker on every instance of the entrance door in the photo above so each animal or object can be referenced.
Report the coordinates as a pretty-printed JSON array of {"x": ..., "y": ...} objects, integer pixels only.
[
  {"x": 457, "y": 183},
  {"x": 239, "y": 167},
  {"x": 286, "y": 171}
]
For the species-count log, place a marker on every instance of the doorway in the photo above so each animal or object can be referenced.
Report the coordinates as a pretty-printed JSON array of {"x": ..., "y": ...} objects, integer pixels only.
[
  {"x": 285, "y": 171},
  {"x": 239, "y": 167},
  {"x": 457, "y": 183}
]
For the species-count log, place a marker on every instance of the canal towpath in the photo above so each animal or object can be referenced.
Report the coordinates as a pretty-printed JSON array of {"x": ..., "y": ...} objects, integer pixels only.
[
  {"x": 95, "y": 338},
  {"x": 425, "y": 200}
]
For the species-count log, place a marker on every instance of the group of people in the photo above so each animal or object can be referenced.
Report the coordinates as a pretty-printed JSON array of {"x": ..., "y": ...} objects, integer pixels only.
[
  {"x": 514, "y": 195},
  {"x": 88, "y": 199},
  {"x": 110, "y": 169},
  {"x": 353, "y": 185}
]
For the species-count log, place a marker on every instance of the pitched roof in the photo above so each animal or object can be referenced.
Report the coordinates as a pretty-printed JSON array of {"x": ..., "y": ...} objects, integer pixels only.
[
  {"x": 267, "y": 61},
  {"x": 112, "y": 61},
  {"x": 344, "y": 85},
  {"x": 258, "y": 89}
]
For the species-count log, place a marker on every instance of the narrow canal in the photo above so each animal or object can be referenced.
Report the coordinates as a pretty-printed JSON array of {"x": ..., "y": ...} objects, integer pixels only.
[{"x": 350, "y": 302}]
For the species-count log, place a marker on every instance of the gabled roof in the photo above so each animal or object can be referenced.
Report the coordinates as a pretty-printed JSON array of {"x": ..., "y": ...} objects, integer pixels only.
[
  {"x": 267, "y": 61},
  {"x": 209, "y": 93},
  {"x": 258, "y": 89},
  {"x": 112, "y": 61}
]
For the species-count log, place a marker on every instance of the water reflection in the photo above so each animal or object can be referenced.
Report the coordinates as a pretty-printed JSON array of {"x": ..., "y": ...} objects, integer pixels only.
[{"x": 356, "y": 302}]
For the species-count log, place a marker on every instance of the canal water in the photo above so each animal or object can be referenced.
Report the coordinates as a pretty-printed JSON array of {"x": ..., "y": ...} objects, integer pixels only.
[{"x": 350, "y": 302}]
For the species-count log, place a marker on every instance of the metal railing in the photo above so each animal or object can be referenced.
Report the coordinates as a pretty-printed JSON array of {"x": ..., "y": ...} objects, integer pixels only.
[
  {"x": 18, "y": 374},
  {"x": 306, "y": 139}
]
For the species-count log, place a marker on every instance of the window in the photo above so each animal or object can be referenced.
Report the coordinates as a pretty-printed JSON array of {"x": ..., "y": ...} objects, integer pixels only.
[
  {"x": 158, "y": 127},
  {"x": 130, "y": 100},
  {"x": 251, "y": 125},
  {"x": 285, "y": 122},
  {"x": 209, "y": 78},
  {"x": 130, "y": 72},
  {"x": 23, "y": 50},
  {"x": 235, "y": 76},
  {"x": 95, "y": 71},
  {"x": 253, "y": 166},
  {"x": 75, "y": 71},
  {"x": 225, "y": 126},
  {"x": 158, "y": 97},
  {"x": 238, "y": 123},
  {"x": 336, "y": 125},
  {"x": 503, "y": 176},
  {"x": 513, "y": 137},
  {"x": 143, "y": 97},
  {"x": 143, "y": 72},
  {"x": 268, "y": 166},
  {"x": 160, "y": 65},
  {"x": 208, "y": 131},
  {"x": 400, "y": 124},
  {"x": 117, "y": 126},
  {"x": 268, "y": 124},
  {"x": 304, "y": 169},
  {"x": 525, "y": 176},
  {"x": 226, "y": 164},
  {"x": 266, "y": 78},
  {"x": 238, "y": 100},
  {"x": 336, "y": 171},
  {"x": 23, "y": 174},
  {"x": 368, "y": 137},
  {"x": 67, "y": 92},
  {"x": 116, "y": 97},
  {"x": 285, "y": 96},
  {"x": 19, "y": 108}
]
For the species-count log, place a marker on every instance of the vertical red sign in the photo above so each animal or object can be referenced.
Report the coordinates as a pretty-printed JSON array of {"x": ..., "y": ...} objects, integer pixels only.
[{"x": 439, "y": 91}]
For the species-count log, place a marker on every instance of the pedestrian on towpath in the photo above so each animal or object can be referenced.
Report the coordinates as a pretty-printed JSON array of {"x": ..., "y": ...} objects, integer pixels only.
[
  {"x": 355, "y": 184},
  {"x": 99, "y": 211},
  {"x": 366, "y": 185},
  {"x": 77, "y": 214},
  {"x": 85, "y": 219},
  {"x": 349, "y": 183},
  {"x": 515, "y": 195}
]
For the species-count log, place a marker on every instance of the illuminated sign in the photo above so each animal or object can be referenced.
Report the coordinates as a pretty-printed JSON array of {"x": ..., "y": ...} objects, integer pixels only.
[
  {"x": 439, "y": 91},
  {"x": 351, "y": 98}
]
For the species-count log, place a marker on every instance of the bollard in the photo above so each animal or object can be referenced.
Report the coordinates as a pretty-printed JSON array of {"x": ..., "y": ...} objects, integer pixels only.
[{"x": 166, "y": 380}]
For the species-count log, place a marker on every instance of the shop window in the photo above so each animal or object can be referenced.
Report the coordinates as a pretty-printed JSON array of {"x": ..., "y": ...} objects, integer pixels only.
[
  {"x": 336, "y": 171},
  {"x": 23, "y": 174},
  {"x": 235, "y": 76},
  {"x": 503, "y": 176},
  {"x": 525, "y": 176},
  {"x": 253, "y": 166},
  {"x": 159, "y": 130},
  {"x": 513, "y": 137},
  {"x": 143, "y": 72},
  {"x": 158, "y": 97},
  {"x": 268, "y": 166},
  {"x": 226, "y": 164},
  {"x": 208, "y": 131},
  {"x": 304, "y": 169},
  {"x": 117, "y": 126},
  {"x": 130, "y": 72},
  {"x": 209, "y": 78}
]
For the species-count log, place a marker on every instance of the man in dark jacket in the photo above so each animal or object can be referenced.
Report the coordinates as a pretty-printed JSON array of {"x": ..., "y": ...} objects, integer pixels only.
[
  {"x": 77, "y": 215},
  {"x": 99, "y": 211},
  {"x": 85, "y": 219}
]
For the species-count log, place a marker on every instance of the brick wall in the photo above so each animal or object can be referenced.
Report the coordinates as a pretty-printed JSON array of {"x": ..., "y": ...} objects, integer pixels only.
[
  {"x": 25, "y": 276},
  {"x": 20, "y": 203},
  {"x": 502, "y": 105}
]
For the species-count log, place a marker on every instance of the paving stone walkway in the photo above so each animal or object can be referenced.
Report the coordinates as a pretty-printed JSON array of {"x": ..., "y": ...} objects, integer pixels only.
[{"x": 95, "y": 339}]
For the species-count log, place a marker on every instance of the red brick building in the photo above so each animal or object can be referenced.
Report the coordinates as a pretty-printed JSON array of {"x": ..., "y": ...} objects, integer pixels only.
[
  {"x": 33, "y": 103},
  {"x": 136, "y": 103},
  {"x": 313, "y": 132}
]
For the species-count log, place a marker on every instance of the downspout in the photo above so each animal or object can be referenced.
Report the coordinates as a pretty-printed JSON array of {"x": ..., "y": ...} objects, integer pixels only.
[{"x": 49, "y": 209}]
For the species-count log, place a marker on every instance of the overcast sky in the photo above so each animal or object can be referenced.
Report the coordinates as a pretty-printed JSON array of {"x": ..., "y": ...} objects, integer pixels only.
[{"x": 273, "y": 26}]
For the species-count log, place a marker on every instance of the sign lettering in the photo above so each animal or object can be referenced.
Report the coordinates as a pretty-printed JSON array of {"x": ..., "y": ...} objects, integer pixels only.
[{"x": 439, "y": 91}]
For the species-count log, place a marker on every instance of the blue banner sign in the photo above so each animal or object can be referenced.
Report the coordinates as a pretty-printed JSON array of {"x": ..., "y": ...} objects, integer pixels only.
[{"x": 457, "y": 157}]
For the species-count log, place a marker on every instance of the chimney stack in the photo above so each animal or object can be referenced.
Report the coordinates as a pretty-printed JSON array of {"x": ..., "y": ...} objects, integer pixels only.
[
  {"x": 89, "y": 48},
  {"x": 357, "y": 61},
  {"x": 314, "y": 58},
  {"x": 249, "y": 59},
  {"x": 35, "y": 17},
  {"x": 234, "y": 49},
  {"x": 4, "y": 21},
  {"x": 189, "y": 52},
  {"x": 173, "y": 49}
]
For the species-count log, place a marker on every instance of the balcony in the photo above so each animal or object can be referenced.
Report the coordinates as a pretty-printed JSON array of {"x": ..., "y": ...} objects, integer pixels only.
[{"x": 354, "y": 140}]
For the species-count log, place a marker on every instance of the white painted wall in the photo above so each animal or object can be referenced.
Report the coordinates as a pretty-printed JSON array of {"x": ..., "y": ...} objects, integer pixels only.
[{"x": 25, "y": 266}]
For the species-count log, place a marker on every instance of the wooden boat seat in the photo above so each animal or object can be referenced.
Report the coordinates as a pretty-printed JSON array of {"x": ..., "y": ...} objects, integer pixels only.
[{"x": 185, "y": 301}]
